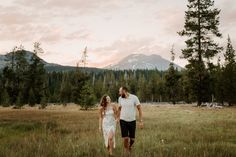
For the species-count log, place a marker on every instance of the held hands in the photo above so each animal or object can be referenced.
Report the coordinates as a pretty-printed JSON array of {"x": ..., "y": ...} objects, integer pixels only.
[{"x": 117, "y": 120}]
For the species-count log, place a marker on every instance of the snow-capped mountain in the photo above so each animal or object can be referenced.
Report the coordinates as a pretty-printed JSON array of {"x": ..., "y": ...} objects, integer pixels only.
[{"x": 141, "y": 61}]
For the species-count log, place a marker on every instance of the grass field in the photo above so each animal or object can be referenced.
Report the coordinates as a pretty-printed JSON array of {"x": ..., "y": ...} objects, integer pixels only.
[{"x": 170, "y": 131}]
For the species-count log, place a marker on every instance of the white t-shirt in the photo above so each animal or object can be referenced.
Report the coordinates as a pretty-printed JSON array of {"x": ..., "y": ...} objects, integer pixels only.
[{"x": 128, "y": 107}]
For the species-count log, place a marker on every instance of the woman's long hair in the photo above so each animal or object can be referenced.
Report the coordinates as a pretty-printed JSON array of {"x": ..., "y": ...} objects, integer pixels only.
[{"x": 104, "y": 102}]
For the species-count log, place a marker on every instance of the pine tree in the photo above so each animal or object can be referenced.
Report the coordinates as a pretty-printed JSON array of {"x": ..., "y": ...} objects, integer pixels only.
[
  {"x": 229, "y": 74},
  {"x": 142, "y": 89},
  {"x": 1, "y": 88},
  {"x": 20, "y": 100},
  {"x": 32, "y": 100},
  {"x": 230, "y": 53},
  {"x": 219, "y": 83},
  {"x": 37, "y": 74},
  {"x": 87, "y": 97},
  {"x": 43, "y": 103},
  {"x": 79, "y": 80},
  {"x": 172, "y": 80},
  {"x": 161, "y": 90},
  {"x": 65, "y": 90},
  {"x": 6, "y": 101},
  {"x": 9, "y": 75},
  {"x": 21, "y": 74},
  {"x": 201, "y": 26}
]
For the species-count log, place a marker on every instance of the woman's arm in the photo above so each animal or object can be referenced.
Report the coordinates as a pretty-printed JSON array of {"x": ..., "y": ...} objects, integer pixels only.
[
  {"x": 115, "y": 111},
  {"x": 100, "y": 119}
]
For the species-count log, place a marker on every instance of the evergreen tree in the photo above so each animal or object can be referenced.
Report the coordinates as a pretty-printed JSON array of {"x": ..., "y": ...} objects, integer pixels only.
[
  {"x": 20, "y": 100},
  {"x": 142, "y": 89},
  {"x": 79, "y": 80},
  {"x": 87, "y": 98},
  {"x": 37, "y": 74},
  {"x": 1, "y": 88},
  {"x": 43, "y": 103},
  {"x": 21, "y": 75},
  {"x": 219, "y": 84},
  {"x": 32, "y": 99},
  {"x": 9, "y": 75},
  {"x": 229, "y": 74},
  {"x": 172, "y": 80},
  {"x": 6, "y": 100},
  {"x": 201, "y": 25},
  {"x": 65, "y": 91},
  {"x": 161, "y": 90}
]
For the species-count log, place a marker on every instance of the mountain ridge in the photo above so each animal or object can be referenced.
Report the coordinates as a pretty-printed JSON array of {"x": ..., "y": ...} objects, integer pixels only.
[
  {"x": 142, "y": 62},
  {"x": 130, "y": 62},
  {"x": 50, "y": 67}
]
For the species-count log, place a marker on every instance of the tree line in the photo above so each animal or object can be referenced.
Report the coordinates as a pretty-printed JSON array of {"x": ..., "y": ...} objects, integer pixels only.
[
  {"x": 27, "y": 82},
  {"x": 202, "y": 80}
]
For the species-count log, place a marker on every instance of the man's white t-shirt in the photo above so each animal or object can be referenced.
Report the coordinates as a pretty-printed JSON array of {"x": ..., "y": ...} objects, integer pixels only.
[{"x": 128, "y": 107}]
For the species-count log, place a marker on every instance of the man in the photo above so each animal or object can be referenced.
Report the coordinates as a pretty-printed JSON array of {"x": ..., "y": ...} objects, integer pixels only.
[{"x": 127, "y": 116}]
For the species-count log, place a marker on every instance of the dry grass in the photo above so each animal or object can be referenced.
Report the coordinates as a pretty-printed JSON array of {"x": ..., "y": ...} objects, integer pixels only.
[{"x": 170, "y": 131}]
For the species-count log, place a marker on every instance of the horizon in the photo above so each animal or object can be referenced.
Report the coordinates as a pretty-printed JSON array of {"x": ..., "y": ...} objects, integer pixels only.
[
  {"x": 106, "y": 65},
  {"x": 111, "y": 30}
]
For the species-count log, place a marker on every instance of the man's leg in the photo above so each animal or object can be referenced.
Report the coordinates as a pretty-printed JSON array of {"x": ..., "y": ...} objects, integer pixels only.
[
  {"x": 132, "y": 129},
  {"x": 125, "y": 134},
  {"x": 126, "y": 144},
  {"x": 131, "y": 142}
]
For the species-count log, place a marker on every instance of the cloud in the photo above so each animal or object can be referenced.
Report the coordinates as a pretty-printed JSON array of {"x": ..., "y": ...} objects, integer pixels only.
[
  {"x": 113, "y": 53},
  {"x": 31, "y": 33},
  {"x": 74, "y": 6},
  {"x": 79, "y": 35},
  {"x": 112, "y": 29}
]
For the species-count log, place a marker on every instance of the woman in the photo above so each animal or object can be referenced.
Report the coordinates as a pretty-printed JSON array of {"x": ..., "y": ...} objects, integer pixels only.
[{"x": 107, "y": 122}]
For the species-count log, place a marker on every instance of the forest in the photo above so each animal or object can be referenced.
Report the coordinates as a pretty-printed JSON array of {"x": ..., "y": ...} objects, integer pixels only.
[
  {"x": 202, "y": 80},
  {"x": 23, "y": 82}
]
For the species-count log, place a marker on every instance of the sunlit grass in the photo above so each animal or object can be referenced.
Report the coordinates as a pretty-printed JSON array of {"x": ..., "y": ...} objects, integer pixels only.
[{"x": 181, "y": 131}]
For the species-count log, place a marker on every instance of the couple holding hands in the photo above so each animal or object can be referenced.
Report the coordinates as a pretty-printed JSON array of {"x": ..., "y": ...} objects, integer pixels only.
[{"x": 109, "y": 115}]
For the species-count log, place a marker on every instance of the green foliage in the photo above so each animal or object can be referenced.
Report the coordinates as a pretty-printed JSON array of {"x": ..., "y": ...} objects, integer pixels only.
[
  {"x": 65, "y": 90},
  {"x": 22, "y": 82},
  {"x": 43, "y": 103},
  {"x": 172, "y": 78},
  {"x": 6, "y": 100},
  {"x": 229, "y": 74},
  {"x": 20, "y": 100},
  {"x": 201, "y": 26},
  {"x": 78, "y": 81},
  {"x": 32, "y": 100},
  {"x": 87, "y": 98}
]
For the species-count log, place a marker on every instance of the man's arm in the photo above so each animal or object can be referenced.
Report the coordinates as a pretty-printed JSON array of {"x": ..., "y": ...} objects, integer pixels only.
[{"x": 140, "y": 113}]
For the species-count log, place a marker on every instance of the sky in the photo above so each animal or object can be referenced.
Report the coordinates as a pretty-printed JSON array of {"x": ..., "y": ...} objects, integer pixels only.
[{"x": 111, "y": 29}]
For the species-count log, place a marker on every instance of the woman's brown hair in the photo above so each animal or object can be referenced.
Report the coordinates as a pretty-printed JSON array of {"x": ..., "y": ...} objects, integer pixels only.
[{"x": 103, "y": 102}]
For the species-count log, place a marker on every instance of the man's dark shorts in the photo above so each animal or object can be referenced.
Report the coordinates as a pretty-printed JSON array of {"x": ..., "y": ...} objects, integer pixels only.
[{"x": 128, "y": 128}]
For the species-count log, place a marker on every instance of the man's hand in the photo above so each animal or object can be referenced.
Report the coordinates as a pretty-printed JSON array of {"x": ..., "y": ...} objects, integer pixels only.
[{"x": 141, "y": 126}]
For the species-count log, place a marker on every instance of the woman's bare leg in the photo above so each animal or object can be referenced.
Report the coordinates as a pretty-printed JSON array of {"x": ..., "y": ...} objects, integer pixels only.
[{"x": 110, "y": 142}]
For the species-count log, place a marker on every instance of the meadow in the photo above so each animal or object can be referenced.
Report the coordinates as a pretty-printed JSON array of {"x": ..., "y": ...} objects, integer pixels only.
[{"x": 170, "y": 131}]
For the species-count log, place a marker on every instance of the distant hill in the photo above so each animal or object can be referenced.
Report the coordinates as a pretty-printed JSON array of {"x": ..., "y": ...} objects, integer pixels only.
[
  {"x": 141, "y": 61},
  {"x": 50, "y": 67}
]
